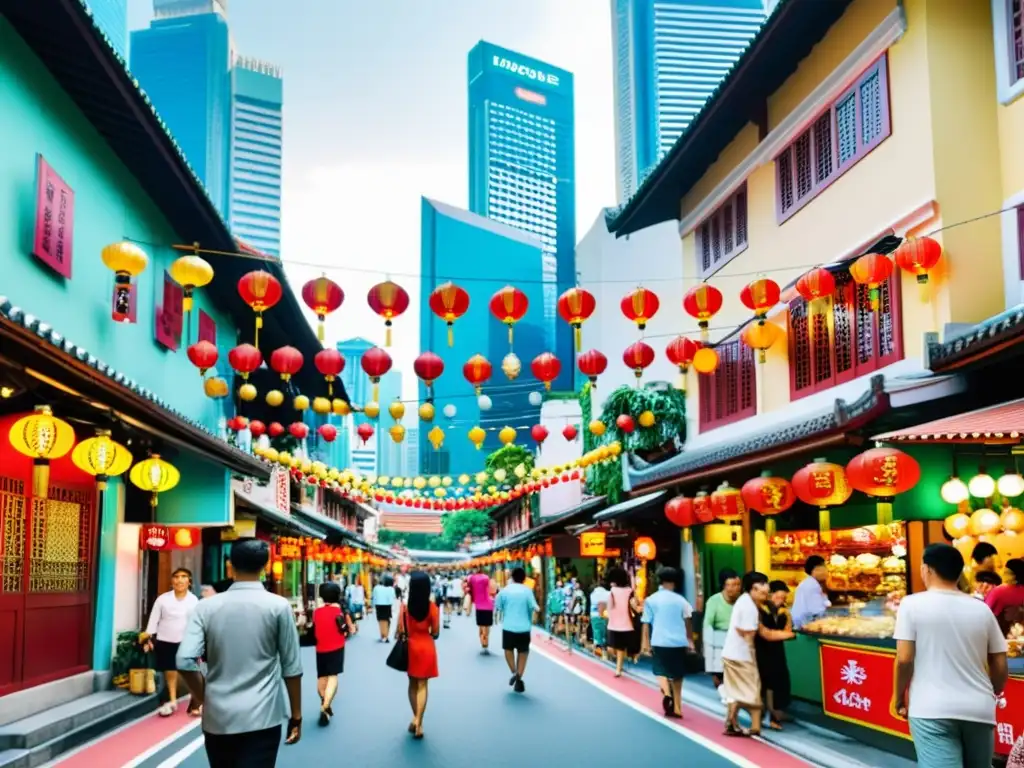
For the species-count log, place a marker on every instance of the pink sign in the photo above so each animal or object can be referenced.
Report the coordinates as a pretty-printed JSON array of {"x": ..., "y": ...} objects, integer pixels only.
[
  {"x": 169, "y": 315},
  {"x": 55, "y": 215}
]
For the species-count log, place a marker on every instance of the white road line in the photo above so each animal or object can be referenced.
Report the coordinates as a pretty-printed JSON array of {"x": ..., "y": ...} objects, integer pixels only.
[
  {"x": 140, "y": 759},
  {"x": 693, "y": 736},
  {"x": 182, "y": 754}
]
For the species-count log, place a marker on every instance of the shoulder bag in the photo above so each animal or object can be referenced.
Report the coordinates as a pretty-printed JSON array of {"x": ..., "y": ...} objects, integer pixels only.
[{"x": 398, "y": 659}]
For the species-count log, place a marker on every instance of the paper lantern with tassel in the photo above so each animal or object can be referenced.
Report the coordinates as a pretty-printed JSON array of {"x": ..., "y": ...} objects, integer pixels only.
[
  {"x": 323, "y": 296},
  {"x": 389, "y": 300},
  {"x": 883, "y": 473},
  {"x": 436, "y": 437},
  {"x": 330, "y": 363},
  {"x": 244, "y": 359},
  {"x": 477, "y": 371},
  {"x": 365, "y": 432},
  {"x": 203, "y": 355},
  {"x": 761, "y": 336},
  {"x": 507, "y": 435},
  {"x": 918, "y": 255},
  {"x": 287, "y": 361},
  {"x": 428, "y": 367},
  {"x": 702, "y": 302},
  {"x": 872, "y": 269},
  {"x": 680, "y": 352},
  {"x": 476, "y": 436},
  {"x": 449, "y": 302},
  {"x": 101, "y": 457},
  {"x": 190, "y": 272},
  {"x": 42, "y": 437},
  {"x": 509, "y": 305},
  {"x": 823, "y": 485},
  {"x": 592, "y": 364},
  {"x": 546, "y": 368},
  {"x": 770, "y": 496},
  {"x": 261, "y": 291},
  {"x": 639, "y": 306},
  {"x": 126, "y": 260},
  {"x": 155, "y": 476},
  {"x": 576, "y": 306},
  {"x": 637, "y": 357},
  {"x": 759, "y": 296},
  {"x": 816, "y": 288},
  {"x": 375, "y": 363}
]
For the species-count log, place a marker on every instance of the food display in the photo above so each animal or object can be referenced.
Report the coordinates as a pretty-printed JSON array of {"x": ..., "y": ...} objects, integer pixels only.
[
  {"x": 875, "y": 620},
  {"x": 1015, "y": 641}
]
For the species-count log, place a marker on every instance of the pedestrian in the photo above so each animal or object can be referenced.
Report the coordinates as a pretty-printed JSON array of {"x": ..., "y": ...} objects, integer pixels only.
[
  {"x": 355, "y": 596},
  {"x": 622, "y": 607},
  {"x": 577, "y": 612},
  {"x": 771, "y": 654},
  {"x": 420, "y": 622},
  {"x": 454, "y": 597},
  {"x": 717, "y": 614},
  {"x": 248, "y": 638},
  {"x": 599, "y": 617},
  {"x": 667, "y": 630},
  {"x": 164, "y": 632},
  {"x": 556, "y": 610},
  {"x": 950, "y": 666},
  {"x": 467, "y": 598},
  {"x": 332, "y": 624},
  {"x": 519, "y": 608},
  {"x": 1007, "y": 600},
  {"x": 383, "y": 598},
  {"x": 811, "y": 599},
  {"x": 481, "y": 591}
]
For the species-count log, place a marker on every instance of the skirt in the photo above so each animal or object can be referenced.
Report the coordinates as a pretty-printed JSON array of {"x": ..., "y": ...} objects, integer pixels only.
[
  {"x": 484, "y": 618},
  {"x": 165, "y": 656},
  {"x": 330, "y": 663},
  {"x": 619, "y": 640},
  {"x": 669, "y": 662},
  {"x": 742, "y": 683},
  {"x": 383, "y": 612}
]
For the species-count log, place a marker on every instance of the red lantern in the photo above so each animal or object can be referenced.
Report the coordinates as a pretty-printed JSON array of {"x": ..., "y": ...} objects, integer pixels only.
[
  {"x": 769, "y": 496},
  {"x": 592, "y": 364},
  {"x": 375, "y": 363},
  {"x": 323, "y": 296},
  {"x": 680, "y": 352},
  {"x": 389, "y": 300},
  {"x": 760, "y": 296},
  {"x": 702, "y": 302},
  {"x": 569, "y": 432},
  {"x": 509, "y": 305},
  {"x": 539, "y": 433},
  {"x": 428, "y": 367},
  {"x": 640, "y": 305},
  {"x": 287, "y": 361},
  {"x": 823, "y": 485},
  {"x": 546, "y": 368},
  {"x": 261, "y": 291},
  {"x": 575, "y": 306},
  {"x": 679, "y": 511},
  {"x": 203, "y": 355},
  {"x": 244, "y": 359},
  {"x": 328, "y": 432},
  {"x": 275, "y": 429},
  {"x": 871, "y": 269},
  {"x": 883, "y": 473},
  {"x": 816, "y": 285},
  {"x": 257, "y": 428},
  {"x": 638, "y": 356},
  {"x": 644, "y": 548},
  {"x": 918, "y": 255},
  {"x": 330, "y": 362},
  {"x": 298, "y": 430},
  {"x": 727, "y": 503},
  {"x": 477, "y": 370},
  {"x": 625, "y": 423},
  {"x": 449, "y": 302},
  {"x": 702, "y": 508},
  {"x": 365, "y": 432}
]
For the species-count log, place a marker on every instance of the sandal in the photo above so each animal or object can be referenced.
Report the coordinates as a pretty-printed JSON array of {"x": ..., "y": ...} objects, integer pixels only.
[
  {"x": 168, "y": 709},
  {"x": 775, "y": 725},
  {"x": 195, "y": 711}
]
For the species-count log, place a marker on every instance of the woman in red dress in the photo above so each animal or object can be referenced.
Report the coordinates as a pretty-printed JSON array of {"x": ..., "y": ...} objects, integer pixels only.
[{"x": 421, "y": 622}]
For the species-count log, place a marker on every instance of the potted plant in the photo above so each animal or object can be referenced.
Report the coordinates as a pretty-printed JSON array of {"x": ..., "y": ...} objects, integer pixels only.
[{"x": 132, "y": 665}]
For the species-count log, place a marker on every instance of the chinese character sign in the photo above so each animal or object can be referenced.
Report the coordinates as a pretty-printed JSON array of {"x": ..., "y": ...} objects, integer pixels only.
[
  {"x": 168, "y": 319},
  {"x": 858, "y": 685},
  {"x": 1010, "y": 716},
  {"x": 55, "y": 215}
]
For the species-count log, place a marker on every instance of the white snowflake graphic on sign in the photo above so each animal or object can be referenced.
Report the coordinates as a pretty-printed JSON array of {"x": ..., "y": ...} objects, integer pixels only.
[{"x": 853, "y": 673}]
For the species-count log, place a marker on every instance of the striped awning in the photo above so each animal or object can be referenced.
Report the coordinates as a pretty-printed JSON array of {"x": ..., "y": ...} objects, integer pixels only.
[
  {"x": 411, "y": 522},
  {"x": 996, "y": 424}
]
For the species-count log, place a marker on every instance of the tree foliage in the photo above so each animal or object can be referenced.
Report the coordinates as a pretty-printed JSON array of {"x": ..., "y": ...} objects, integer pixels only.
[
  {"x": 456, "y": 526},
  {"x": 508, "y": 457},
  {"x": 669, "y": 409}
]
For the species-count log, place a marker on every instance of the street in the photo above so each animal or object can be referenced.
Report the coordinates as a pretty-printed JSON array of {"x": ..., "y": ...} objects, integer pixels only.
[{"x": 573, "y": 712}]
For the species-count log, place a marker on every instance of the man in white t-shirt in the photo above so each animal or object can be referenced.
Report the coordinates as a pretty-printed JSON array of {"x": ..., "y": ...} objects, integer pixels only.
[{"x": 950, "y": 667}]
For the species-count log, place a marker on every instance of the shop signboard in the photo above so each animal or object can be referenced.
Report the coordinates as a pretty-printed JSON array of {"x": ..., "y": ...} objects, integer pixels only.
[
  {"x": 55, "y": 217},
  {"x": 858, "y": 685},
  {"x": 592, "y": 544},
  {"x": 244, "y": 528},
  {"x": 275, "y": 494}
]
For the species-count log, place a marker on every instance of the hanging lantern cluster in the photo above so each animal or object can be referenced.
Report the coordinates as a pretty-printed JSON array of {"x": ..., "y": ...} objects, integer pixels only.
[{"x": 389, "y": 300}]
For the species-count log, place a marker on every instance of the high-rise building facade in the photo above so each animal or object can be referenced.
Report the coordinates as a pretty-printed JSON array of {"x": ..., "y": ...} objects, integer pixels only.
[
  {"x": 391, "y": 455},
  {"x": 670, "y": 56},
  {"x": 111, "y": 17},
  {"x": 357, "y": 455},
  {"x": 522, "y": 165},
  {"x": 482, "y": 256}
]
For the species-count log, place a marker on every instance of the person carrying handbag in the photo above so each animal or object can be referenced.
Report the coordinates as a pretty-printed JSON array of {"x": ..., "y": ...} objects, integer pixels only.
[
  {"x": 419, "y": 624},
  {"x": 622, "y": 609},
  {"x": 332, "y": 625}
]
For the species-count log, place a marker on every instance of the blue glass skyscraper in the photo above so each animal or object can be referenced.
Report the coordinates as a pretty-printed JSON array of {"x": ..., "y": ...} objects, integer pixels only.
[
  {"x": 522, "y": 166},
  {"x": 482, "y": 256},
  {"x": 670, "y": 56},
  {"x": 112, "y": 18},
  {"x": 355, "y": 454}
]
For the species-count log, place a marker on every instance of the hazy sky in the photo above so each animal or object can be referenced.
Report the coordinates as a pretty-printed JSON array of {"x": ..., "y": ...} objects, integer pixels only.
[{"x": 376, "y": 116}]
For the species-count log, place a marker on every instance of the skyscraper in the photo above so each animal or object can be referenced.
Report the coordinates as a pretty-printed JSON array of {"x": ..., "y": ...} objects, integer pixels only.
[
  {"x": 483, "y": 256},
  {"x": 522, "y": 165},
  {"x": 111, "y": 17},
  {"x": 670, "y": 55},
  {"x": 391, "y": 455},
  {"x": 358, "y": 456}
]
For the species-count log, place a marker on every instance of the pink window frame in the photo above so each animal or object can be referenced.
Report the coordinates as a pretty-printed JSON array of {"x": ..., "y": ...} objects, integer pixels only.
[
  {"x": 720, "y": 215},
  {"x": 709, "y": 386}
]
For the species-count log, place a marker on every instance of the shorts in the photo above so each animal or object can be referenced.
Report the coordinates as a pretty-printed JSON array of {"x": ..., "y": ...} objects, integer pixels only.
[
  {"x": 383, "y": 612},
  {"x": 620, "y": 640},
  {"x": 669, "y": 662},
  {"x": 454, "y": 601},
  {"x": 484, "y": 618},
  {"x": 515, "y": 641},
  {"x": 330, "y": 663},
  {"x": 165, "y": 656}
]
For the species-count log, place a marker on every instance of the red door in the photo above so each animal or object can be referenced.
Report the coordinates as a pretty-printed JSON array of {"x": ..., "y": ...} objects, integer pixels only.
[{"x": 46, "y": 573}]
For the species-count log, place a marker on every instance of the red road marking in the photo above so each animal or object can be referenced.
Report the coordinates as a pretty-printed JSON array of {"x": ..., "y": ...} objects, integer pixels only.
[
  {"x": 696, "y": 720},
  {"x": 125, "y": 745}
]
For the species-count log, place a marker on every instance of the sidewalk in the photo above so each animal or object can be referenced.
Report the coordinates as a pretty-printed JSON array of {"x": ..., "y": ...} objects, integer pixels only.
[{"x": 815, "y": 743}]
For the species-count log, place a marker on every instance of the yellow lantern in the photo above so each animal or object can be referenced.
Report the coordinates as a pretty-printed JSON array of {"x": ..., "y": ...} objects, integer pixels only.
[
  {"x": 507, "y": 435},
  {"x": 464, "y": 479},
  {"x": 125, "y": 260},
  {"x": 705, "y": 360},
  {"x": 42, "y": 437},
  {"x": 247, "y": 392},
  {"x": 646, "y": 419},
  {"x": 270, "y": 454},
  {"x": 274, "y": 398},
  {"x": 183, "y": 538},
  {"x": 340, "y": 407},
  {"x": 101, "y": 457},
  {"x": 957, "y": 525},
  {"x": 761, "y": 336},
  {"x": 426, "y": 411},
  {"x": 300, "y": 403},
  {"x": 215, "y": 387},
  {"x": 984, "y": 521},
  {"x": 476, "y": 436},
  {"x": 434, "y": 481},
  {"x": 397, "y": 410},
  {"x": 190, "y": 272},
  {"x": 1012, "y": 520},
  {"x": 321, "y": 405},
  {"x": 397, "y": 433},
  {"x": 371, "y": 410},
  {"x": 419, "y": 483},
  {"x": 284, "y": 459},
  {"x": 597, "y": 428},
  {"x": 511, "y": 366},
  {"x": 155, "y": 476},
  {"x": 446, "y": 481},
  {"x": 436, "y": 438}
]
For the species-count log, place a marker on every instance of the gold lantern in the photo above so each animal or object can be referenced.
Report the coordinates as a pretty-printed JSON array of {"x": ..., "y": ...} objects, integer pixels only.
[
  {"x": 340, "y": 407},
  {"x": 274, "y": 398},
  {"x": 126, "y": 260},
  {"x": 190, "y": 272},
  {"x": 215, "y": 387},
  {"x": 597, "y": 428},
  {"x": 321, "y": 405},
  {"x": 705, "y": 360},
  {"x": 155, "y": 476},
  {"x": 397, "y": 433},
  {"x": 247, "y": 392},
  {"x": 507, "y": 435},
  {"x": 371, "y": 410},
  {"x": 101, "y": 457},
  {"x": 397, "y": 410},
  {"x": 42, "y": 437},
  {"x": 426, "y": 412},
  {"x": 300, "y": 403},
  {"x": 476, "y": 436}
]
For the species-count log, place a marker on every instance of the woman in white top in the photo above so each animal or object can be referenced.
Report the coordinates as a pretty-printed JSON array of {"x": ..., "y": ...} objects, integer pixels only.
[
  {"x": 383, "y": 598},
  {"x": 165, "y": 631}
]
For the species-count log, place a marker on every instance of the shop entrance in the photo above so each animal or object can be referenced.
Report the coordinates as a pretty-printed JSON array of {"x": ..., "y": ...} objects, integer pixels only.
[{"x": 46, "y": 573}]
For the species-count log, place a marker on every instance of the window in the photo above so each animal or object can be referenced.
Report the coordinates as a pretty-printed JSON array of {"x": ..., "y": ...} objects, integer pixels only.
[
  {"x": 1015, "y": 26},
  {"x": 856, "y": 123},
  {"x": 845, "y": 339},
  {"x": 729, "y": 394},
  {"x": 723, "y": 235}
]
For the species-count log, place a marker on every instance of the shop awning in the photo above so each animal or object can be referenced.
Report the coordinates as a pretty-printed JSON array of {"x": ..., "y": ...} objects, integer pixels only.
[
  {"x": 278, "y": 518},
  {"x": 624, "y": 508},
  {"x": 996, "y": 424},
  {"x": 552, "y": 525},
  {"x": 314, "y": 518}
]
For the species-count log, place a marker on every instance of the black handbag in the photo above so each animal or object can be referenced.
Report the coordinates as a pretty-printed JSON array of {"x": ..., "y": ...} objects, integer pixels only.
[{"x": 398, "y": 659}]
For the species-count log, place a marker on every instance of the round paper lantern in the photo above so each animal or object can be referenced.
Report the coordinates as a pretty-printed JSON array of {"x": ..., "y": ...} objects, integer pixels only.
[
  {"x": 596, "y": 427},
  {"x": 679, "y": 511},
  {"x": 957, "y": 525},
  {"x": 539, "y": 433},
  {"x": 702, "y": 302},
  {"x": 426, "y": 412},
  {"x": 507, "y": 435},
  {"x": 275, "y": 429},
  {"x": 680, "y": 352},
  {"x": 365, "y": 432},
  {"x": 340, "y": 407},
  {"x": 761, "y": 336},
  {"x": 985, "y": 521},
  {"x": 476, "y": 436},
  {"x": 646, "y": 419},
  {"x": 569, "y": 432},
  {"x": 397, "y": 410},
  {"x": 1010, "y": 485},
  {"x": 702, "y": 508},
  {"x": 449, "y": 302},
  {"x": 509, "y": 305},
  {"x": 101, "y": 457},
  {"x": 1012, "y": 520},
  {"x": 511, "y": 366},
  {"x": 638, "y": 356},
  {"x": 286, "y": 361},
  {"x": 247, "y": 392},
  {"x": 389, "y": 300},
  {"x": 477, "y": 371},
  {"x": 126, "y": 260},
  {"x": 155, "y": 476},
  {"x": 300, "y": 402},
  {"x": 261, "y": 291},
  {"x": 244, "y": 359},
  {"x": 215, "y": 387},
  {"x": 546, "y": 368},
  {"x": 323, "y": 296},
  {"x": 918, "y": 255},
  {"x": 727, "y": 503},
  {"x": 576, "y": 306},
  {"x": 203, "y": 355},
  {"x": 705, "y": 361},
  {"x": 982, "y": 486},
  {"x": 822, "y": 484},
  {"x": 484, "y": 403},
  {"x": 644, "y": 548},
  {"x": 397, "y": 432},
  {"x": 321, "y": 405},
  {"x": 883, "y": 473},
  {"x": 449, "y": 411},
  {"x": 190, "y": 272},
  {"x": 257, "y": 428},
  {"x": 639, "y": 306},
  {"x": 592, "y": 364},
  {"x": 954, "y": 491},
  {"x": 816, "y": 285},
  {"x": 330, "y": 363},
  {"x": 274, "y": 398},
  {"x": 298, "y": 430},
  {"x": 768, "y": 495},
  {"x": 625, "y": 423},
  {"x": 871, "y": 269},
  {"x": 375, "y": 362},
  {"x": 42, "y": 437},
  {"x": 760, "y": 296}
]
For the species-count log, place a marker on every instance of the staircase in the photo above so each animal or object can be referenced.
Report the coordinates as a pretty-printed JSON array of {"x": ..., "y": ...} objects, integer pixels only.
[{"x": 60, "y": 716}]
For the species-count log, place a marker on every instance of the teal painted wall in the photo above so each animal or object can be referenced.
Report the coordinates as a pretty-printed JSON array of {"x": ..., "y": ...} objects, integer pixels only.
[
  {"x": 203, "y": 497},
  {"x": 38, "y": 117},
  {"x": 106, "y": 576}
]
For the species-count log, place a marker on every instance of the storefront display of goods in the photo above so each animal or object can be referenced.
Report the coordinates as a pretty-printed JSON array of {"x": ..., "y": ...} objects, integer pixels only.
[
  {"x": 1015, "y": 641},
  {"x": 873, "y": 620}
]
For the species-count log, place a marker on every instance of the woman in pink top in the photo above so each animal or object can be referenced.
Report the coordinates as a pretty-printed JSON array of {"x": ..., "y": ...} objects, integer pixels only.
[
  {"x": 622, "y": 607},
  {"x": 481, "y": 591}
]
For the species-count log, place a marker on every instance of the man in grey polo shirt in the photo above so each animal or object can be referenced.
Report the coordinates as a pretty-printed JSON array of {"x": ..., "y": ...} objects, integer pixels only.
[{"x": 248, "y": 638}]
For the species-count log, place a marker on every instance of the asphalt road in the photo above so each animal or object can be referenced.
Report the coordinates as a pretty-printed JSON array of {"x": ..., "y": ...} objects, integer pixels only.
[{"x": 473, "y": 717}]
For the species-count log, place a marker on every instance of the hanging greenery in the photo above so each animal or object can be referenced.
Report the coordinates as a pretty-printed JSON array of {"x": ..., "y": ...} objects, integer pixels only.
[
  {"x": 602, "y": 479},
  {"x": 668, "y": 407},
  {"x": 508, "y": 457}
]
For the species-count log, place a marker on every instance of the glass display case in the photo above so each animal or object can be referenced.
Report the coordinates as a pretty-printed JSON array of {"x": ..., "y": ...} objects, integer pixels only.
[{"x": 864, "y": 620}]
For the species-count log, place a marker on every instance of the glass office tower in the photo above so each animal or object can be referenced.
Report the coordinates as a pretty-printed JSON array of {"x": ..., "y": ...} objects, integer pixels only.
[{"x": 522, "y": 167}]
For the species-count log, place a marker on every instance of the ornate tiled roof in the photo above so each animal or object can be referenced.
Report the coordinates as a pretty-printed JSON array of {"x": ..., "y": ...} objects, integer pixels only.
[
  {"x": 989, "y": 333},
  {"x": 841, "y": 416}
]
